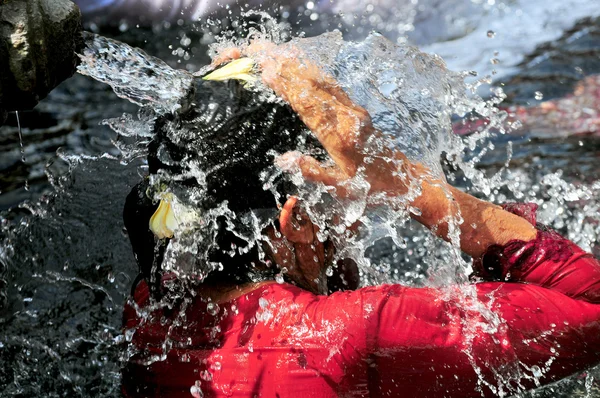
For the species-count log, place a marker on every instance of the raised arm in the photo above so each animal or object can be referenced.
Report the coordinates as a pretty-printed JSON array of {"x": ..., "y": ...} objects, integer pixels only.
[{"x": 347, "y": 133}]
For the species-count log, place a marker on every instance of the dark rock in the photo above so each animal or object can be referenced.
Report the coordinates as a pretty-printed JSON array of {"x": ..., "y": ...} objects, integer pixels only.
[{"x": 39, "y": 40}]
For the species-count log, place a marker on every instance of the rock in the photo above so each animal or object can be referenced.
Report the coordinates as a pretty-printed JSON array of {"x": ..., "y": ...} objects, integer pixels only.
[{"x": 39, "y": 40}]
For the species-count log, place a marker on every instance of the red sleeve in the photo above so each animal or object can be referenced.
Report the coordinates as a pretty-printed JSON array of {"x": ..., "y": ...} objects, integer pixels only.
[
  {"x": 424, "y": 344},
  {"x": 549, "y": 261},
  {"x": 494, "y": 338}
]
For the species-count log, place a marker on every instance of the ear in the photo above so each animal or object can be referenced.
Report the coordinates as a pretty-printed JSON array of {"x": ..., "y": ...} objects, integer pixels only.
[{"x": 294, "y": 224}]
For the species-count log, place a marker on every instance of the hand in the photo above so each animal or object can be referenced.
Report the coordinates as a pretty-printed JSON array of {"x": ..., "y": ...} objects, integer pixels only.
[{"x": 344, "y": 129}]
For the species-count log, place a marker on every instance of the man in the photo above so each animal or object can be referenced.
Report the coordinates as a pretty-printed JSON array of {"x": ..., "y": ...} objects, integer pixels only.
[{"x": 533, "y": 318}]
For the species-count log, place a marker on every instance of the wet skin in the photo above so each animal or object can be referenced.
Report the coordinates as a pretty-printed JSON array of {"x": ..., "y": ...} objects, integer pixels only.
[{"x": 345, "y": 130}]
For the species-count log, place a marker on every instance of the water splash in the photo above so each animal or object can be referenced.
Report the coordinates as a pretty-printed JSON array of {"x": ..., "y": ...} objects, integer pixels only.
[
  {"x": 410, "y": 95},
  {"x": 134, "y": 75},
  {"x": 63, "y": 292},
  {"x": 429, "y": 87}
]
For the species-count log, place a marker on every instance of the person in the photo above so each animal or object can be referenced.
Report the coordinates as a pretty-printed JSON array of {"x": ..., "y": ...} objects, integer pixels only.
[{"x": 534, "y": 317}]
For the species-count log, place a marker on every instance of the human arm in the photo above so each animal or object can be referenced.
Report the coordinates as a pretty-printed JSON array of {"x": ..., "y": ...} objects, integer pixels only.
[
  {"x": 347, "y": 133},
  {"x": 422, "y": 343}
]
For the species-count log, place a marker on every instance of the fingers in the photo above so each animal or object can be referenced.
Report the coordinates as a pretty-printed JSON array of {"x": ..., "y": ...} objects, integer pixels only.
[
  {"x": 340, "y": 125},
  {"x": 294, "y": 224},
  {"x": 325, "y": 109},
  {"x": 255, "y": 49},
  {"x": 260, "y": 48},
  {"x": 311, "y": 169},
  {"x": 228, "y": 54}
]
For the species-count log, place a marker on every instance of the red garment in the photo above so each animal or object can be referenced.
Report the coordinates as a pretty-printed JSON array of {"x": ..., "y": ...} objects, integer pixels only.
[{"x": 282, "y": 341}]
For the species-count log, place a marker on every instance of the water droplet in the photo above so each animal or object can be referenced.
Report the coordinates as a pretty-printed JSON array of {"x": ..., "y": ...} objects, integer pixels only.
[
  {"x": 206, "y": 375},
  {"x": 212, "y": 308},
  {"x": 539, "y": 96},
  {"x": 491, "y": 34},
  {"x": 279, "y": 278},
  {"x": 196, "y": 391},
  {"x": 263, "y": 303},
  {"x": 416, "y": 211},
  {"x": 329, "y": 271}
]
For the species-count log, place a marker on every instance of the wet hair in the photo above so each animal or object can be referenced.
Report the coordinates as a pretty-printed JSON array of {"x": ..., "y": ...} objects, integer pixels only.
[{"x": 231, "y": 134}]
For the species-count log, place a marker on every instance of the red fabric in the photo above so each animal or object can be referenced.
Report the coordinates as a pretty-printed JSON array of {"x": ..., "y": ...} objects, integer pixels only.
[{"x": 391, "y": 340}]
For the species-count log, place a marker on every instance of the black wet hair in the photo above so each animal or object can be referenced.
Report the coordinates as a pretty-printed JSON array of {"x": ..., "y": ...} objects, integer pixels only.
[{"x": 232, "y": 134}]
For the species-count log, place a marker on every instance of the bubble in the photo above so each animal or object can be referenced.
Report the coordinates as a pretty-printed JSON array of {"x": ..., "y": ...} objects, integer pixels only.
[
  {"x": 491, "y": 34},
  {"x": 539, "y": 95}
]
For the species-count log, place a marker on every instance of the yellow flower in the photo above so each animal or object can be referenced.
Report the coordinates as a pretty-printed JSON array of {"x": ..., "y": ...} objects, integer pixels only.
[
  {"x": 163, "y": 221},
  {"x": 240, "y": 69}
]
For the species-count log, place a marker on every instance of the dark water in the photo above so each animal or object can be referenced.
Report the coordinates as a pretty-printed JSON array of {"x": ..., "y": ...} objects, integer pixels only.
[
  {"x": 66, "y": 269},
  {"x": 554, "y": 68},
  {"x": 66, "y": 265}
]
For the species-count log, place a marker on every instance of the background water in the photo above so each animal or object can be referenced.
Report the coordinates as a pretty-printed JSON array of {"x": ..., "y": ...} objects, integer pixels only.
[{"x": 65, "y": 262}]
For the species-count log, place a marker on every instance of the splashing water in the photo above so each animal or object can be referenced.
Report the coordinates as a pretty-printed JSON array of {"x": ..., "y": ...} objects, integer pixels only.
[
  {"x": 412, "y": 98},
  {"x": 64, "y": 288},
  {"x": 134, "y": 75}
]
